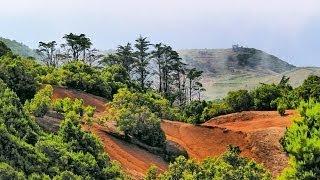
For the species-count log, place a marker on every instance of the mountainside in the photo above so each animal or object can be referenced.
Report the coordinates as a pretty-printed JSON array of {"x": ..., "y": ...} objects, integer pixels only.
[
  {"x": 241, "y": 68},
  {"x": 19, "y": 48}
]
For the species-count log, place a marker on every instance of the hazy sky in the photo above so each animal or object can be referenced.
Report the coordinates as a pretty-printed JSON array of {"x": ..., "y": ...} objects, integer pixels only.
[{"x": 289, "y": 29}]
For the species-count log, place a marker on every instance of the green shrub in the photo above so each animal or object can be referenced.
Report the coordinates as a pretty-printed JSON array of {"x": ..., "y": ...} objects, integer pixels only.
[
  {"x": 38, "y": 155},
  {"x": 155, "y": 102},
  {"x": 18, "y": 77},
  {"x": 79, "y": 75},
  {"x": 73, "y": 109},
  {"x": 14, "y": 118},
  {"x": 310, "y": 88},
  {"x": 7, "y": 172},
  {"x": 41, "y": 102},
  {"x": 230, "y": 165},
  {"x": 193, "y": 111},
  {"x": 302, "y": 142},
  {"x": 151, "y": 173},
  {"x": 264, "y": 95},
  {"x": 140, "y": 123},
  {"x": 215, "y": 109},
  {"x": 4, "y": 49},
  {"x": 239, "y": 100},
  {"x": 56, "y": 76}
]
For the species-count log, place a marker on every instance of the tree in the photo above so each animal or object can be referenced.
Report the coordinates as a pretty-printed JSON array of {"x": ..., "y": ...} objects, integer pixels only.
[
  {"x": 141, "y": 61},
  {"x": 115, "y": 77},
  {"x": 93, "y": 56},
  {"x": 193, "y": 111},
  {"x": 48, "y": 52},
  {"x": 193, "y": 75},
  {"x": 77, "y": 44},
  {"x": 80, "y": 75},
  {"x": 125, "y": 57},
  {"x": 310, "y": 88},
  {"x": 239, "y": 100},
  {"x": 264, "y": 95},
  {"x": 4, "y": 49}
]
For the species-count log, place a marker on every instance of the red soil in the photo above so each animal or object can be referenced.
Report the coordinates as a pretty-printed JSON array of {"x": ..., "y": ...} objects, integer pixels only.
[
  {"x": 89, "y": 99},
  {"x": 133, "y": 159},
  {"x": 256, "y": 133}
]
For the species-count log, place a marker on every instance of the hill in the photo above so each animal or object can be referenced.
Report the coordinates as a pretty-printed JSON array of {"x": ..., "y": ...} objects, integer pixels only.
[
  {"x": 241, "y": 68},
  {"x": 257, "y": 133},
  {"x": 19, "y": 48}
]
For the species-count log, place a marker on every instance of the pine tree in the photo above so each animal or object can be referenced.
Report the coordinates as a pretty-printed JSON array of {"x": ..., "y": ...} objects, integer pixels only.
[{"x": 141, "y": 61}]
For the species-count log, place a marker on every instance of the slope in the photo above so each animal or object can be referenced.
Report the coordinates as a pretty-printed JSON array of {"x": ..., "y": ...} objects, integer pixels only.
[
  {"x": 241, "y": 68},
  {"x": 257, "y": 133},
  {"x": 19, "y": 48},
  {"x": 133, "y": 159}
]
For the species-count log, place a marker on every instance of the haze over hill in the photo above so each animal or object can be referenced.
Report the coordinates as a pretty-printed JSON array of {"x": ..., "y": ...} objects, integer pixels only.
[
  {"x": 224, "y": 69},
  {"x": 241, "y": 68},
  {"x": 19, "y": 48}
]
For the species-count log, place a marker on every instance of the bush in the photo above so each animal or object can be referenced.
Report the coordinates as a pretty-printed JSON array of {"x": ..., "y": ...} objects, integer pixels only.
[
  {"x": 14, "y": 118},
  {"x": 230, "y": 165},
  {"x": 239, "y": 100},
  {"x": 302, "y": 142},
  {"x": 310, "y": 88},
  {"x": 41, "y": 102},
  {"x": 54, "y": 76},
  {"x": 264, "y": 95},
  {"x": 154, "y": 102},
  {"x": 7, "y": 172},
  {"x": 18, "y": 76},
  {"x": 215, "y": 109},
  {"x": 193, "y": 111},
  {"x": 4, "y": 49},
  {"x": 115, "y": 77},
  {"x": 83, "y": 77},
  {"x": 140, "y": 123},
  {"x": 77, "y": 106},
  {"x": 28, "y": 150}
]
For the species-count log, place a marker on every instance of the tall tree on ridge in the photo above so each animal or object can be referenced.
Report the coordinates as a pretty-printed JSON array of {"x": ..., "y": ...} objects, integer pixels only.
[
  {"x": 125, "y": 56},
  {"x": 142, "y": 58},
  {"x": 48, "y": 52},
  {"x": 192, "y": 75},
  {"x": 77, "y": 44}
]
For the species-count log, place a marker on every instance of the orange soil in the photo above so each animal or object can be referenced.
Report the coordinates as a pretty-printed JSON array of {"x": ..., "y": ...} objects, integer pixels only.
[
  {"x": 133, "y": 159},
  {"x": 257, "y": 133},
  {"x": 89, "y": 99}
]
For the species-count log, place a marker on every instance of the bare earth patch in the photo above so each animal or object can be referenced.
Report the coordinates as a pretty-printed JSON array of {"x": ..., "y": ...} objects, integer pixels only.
[{"x": 257, "y": 133}]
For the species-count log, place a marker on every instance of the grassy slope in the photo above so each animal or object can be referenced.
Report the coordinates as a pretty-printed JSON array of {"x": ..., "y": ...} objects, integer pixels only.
[{"x": 222, "y": 72}]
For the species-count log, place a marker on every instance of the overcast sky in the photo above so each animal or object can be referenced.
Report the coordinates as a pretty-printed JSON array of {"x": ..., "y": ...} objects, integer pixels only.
[{"x": 289, "y": 29}]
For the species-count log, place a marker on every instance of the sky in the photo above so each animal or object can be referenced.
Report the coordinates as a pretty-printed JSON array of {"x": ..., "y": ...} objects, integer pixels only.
[{"x": 289, "y": 29}]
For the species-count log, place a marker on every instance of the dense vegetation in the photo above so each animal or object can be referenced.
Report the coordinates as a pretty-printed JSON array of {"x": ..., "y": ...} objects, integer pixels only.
[
  {"x": 26, "y": 151},
  {"x": 139, "y": 99},
  {"x": 228, "y": 166},
  {"x": 302, "y": 142}
]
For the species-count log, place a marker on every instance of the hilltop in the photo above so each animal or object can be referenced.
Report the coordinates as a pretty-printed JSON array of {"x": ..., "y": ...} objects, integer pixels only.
[
  {"x": 241, "y": 68},
  {"x": 19, "y": 48}
]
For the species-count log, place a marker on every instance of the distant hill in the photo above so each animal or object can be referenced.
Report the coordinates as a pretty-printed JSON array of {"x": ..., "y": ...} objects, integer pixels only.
[
  {"x": 19, "y": 48},
  {"x": 241, "y": 68}
]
